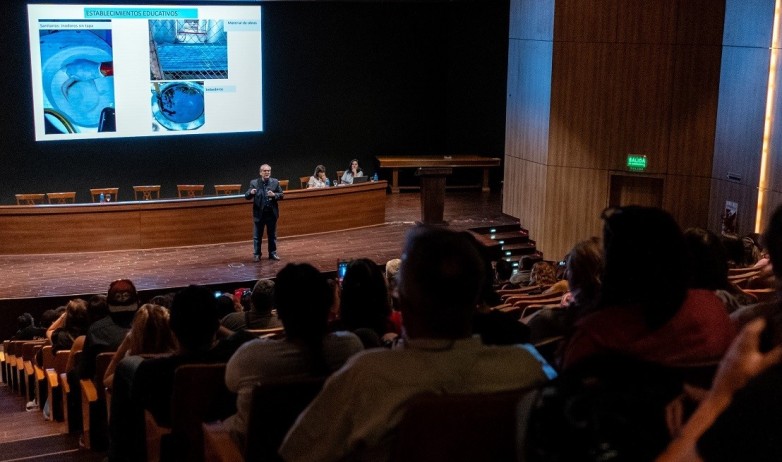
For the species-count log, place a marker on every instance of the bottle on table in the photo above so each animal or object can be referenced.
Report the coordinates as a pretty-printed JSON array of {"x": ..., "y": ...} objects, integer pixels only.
[{"x": 102, "y": 198}]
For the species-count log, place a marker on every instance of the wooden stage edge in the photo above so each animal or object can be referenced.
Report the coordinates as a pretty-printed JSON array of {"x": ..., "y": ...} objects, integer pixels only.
[
  {"x": 37, "y": 282},
  {"x": 91, "y": 227}
]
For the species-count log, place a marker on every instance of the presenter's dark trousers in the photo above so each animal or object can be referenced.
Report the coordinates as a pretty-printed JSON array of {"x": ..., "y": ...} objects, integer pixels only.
[{"x": 269, "y": 221}]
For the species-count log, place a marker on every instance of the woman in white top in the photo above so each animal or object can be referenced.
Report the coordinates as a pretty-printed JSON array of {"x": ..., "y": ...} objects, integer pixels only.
[
  {"x": 353, "y": 171},
  {"x": 318, "y": 179}
]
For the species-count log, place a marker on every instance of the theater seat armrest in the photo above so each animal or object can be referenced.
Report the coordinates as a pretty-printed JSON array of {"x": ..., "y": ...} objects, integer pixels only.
[{"x": 218, "y": 445}]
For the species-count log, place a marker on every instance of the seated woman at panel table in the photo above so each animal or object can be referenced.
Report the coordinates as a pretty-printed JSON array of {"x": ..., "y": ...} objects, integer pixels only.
[
  {"x": 353, "y": 171},
  {"x": 319, "y": 178}
]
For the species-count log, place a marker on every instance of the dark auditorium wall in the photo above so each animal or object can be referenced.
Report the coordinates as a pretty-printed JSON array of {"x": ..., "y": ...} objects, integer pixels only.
[{"x": 341, "y": 80}]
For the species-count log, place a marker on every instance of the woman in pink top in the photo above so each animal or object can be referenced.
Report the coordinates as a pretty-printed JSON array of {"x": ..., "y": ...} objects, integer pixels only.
[{"x": 645, "y": 309}]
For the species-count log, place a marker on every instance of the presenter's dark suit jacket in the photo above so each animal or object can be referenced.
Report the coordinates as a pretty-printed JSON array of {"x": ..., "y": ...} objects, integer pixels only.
[{"x": 260, "y": 200}]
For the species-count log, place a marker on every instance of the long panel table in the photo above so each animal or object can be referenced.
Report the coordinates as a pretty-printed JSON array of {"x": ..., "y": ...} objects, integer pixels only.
[
  {"x": 88, "y": 227},
  {"x": 454, "y": 161}
]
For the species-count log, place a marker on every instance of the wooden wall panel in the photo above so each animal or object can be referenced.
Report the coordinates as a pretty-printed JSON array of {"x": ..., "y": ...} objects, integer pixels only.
[
  {"x": 649, "y": 21},
  {"x": 700, "y": 22},
  {"x": 687, "y": 199},
  {"x": 694, "y": 109},
  {"x": 581, "y": 86},
  {"x": 745, "y": 196},
  {"x": 774, "y": 167},
  {"x": 575, "y": 199},
  {"x": 640, "y": 108},
  {"x": 532, "y": 20},
  {"x": 586, "y": 20},
  {"x": 524, "y": 195},
  {"x": 529, "y": 96},
  {"x": 741, "y": 113},
  {"x": 748, "y": 23}
]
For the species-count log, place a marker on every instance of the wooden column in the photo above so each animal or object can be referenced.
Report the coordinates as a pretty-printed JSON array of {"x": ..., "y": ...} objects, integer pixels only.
[{"x": 433, "y": 194}]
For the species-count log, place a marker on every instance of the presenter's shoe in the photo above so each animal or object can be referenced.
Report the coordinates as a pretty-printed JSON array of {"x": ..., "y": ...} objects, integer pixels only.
[
  {"x": 256, "y": 258},
  {"x": 274, "y": 256}
]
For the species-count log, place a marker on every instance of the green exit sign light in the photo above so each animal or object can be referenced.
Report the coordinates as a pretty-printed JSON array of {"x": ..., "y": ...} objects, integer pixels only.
[{"x": 636, "y": 162}]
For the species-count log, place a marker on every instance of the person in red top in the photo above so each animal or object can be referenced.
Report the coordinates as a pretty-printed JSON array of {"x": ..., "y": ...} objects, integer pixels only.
[{"x": 645, "y": 309}]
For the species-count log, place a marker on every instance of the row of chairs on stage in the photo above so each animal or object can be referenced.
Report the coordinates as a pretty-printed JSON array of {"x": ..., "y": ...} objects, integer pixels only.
[
  {"x": 141, "y": 193},
  {"x": 469, "y": 425},
  {"x": 144, "y": 192}
]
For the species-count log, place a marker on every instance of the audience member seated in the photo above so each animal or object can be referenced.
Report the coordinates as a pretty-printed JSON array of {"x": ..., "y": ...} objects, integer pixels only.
[
  {"x": 440, "y": 282},
  {"x": 645, "y": 310},
  {"x": 353, "y": 171},
  {"x": 150, "y": 334},
  {"x": 503, "y": 270},
  {"x": 141, "y": 384},
  {"x": 392, "y": 268},
  {"x": 608, "y": 408},
  {"x": 26, "y": 328},
  {"x": 495, "y": 327},
  {"x": 73, "y": 323},
  {"x": 260, "y": 315},
  {"x": 543, "y": 274},
  {"x": 319, "y": 178},
  {"x": 364, "y": 304},
  {"x": 709, "y": 268},
  {"x": 739, "y": 419},
  {"x": 521, "y": 277},
  {"x": 226, "y": 304},
  {"x": 584, "y": 267},
  {"x": 303, "y": 298}
]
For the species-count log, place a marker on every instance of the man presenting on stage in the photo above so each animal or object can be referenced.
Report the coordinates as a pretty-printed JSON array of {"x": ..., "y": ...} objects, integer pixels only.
[{"x": 265, "y": 192}]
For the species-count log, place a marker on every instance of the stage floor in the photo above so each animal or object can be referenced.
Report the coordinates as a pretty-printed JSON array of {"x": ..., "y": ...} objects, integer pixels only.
[{"x": 54, "y": 275}]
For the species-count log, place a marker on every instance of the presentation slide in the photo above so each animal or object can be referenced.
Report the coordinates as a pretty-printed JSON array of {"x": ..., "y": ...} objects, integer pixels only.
[{"x": 102, "y": 71}]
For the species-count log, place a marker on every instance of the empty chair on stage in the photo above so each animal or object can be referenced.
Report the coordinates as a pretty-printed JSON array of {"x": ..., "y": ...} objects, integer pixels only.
[
  {"x": 30, "y": 199},
  {"x": 146, "y": 193},
  {"x": 189, "y": 190}
]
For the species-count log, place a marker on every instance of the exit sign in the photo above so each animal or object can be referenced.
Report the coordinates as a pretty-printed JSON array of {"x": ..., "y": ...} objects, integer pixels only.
[{"x": 636, "y": 162}]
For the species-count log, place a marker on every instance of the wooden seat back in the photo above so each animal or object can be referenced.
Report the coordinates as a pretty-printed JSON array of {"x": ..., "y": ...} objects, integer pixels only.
[
  {"x": 30, "y": 199},
  {"x": 276, "y": 404},
  {"x": 227, "y": 189},
  {"x": 304, "y": 180},
  {"x": 94, "y": 409},
  {"x": 146, "y": 192},
  {"x": 61, "y": 197},
  {"x": 199, "y": 395},
  {"x": 189, "y": 190},
  {"x": 109, "y": 194},
  {"x": 284, "y": 184},
  {"x": 339, "y": 175},
  {"x": 458, "y": 427},
  {"x": 271, "y": 332}
]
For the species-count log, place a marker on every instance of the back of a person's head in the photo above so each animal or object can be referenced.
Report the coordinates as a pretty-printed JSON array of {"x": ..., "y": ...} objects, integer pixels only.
[
  {"x": 708, "y": 260},
  {"x": 543, "y": 273},
  {"x": 194, "y": 318},
  {"x": 97, "y": 307},
  {"x": 78, "y": 317},
  {"x": 303, "y": 298},
  {"x": 163, "y": 300},
  {"x": 734, "y": 250},
  {"x": 584, "y": 272},
  {"x": 263, "y": 296},
  {"x": 122, "y": 298},
  {"x": 645, "y": 262},
  {"x": 364, "y": 299},
  {"x": 225, "y": 305},
  {"x": 392, "y": 268},
  {"x": 24, "y": 320},
  {"x": 151, "y": 332},
  {"x": 607, "y": 408},
  {"x": 48, "y": 317},
  {"x": 440, "y": 281},
  {"x": 526, "y": 262},
  {"x": 504, "y": 269},
  {"x": 772, "y": 241}
]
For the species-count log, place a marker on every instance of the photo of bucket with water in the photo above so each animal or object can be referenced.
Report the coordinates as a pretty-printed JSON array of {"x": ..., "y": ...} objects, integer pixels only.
[
  {"x": 77, "y": 73},
  {"x": 178, "y": 105}
]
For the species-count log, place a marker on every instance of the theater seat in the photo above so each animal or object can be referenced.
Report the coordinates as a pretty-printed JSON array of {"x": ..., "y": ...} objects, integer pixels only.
[{"x": 61, "y": 197}]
